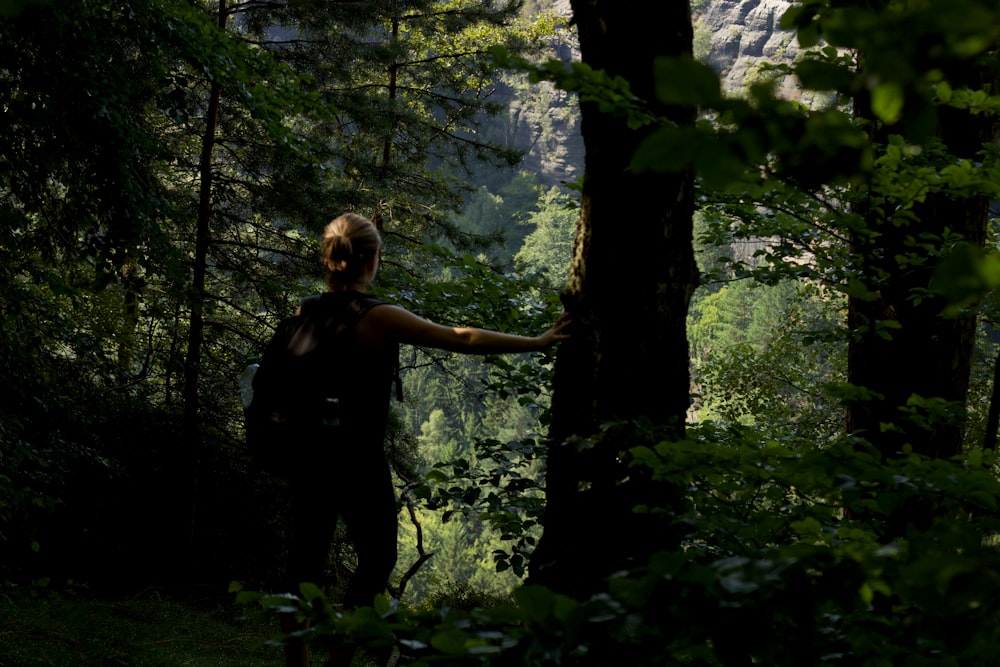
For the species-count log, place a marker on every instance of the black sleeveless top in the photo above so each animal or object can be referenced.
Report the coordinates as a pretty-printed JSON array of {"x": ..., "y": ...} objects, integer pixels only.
[{"x": 361, "y": 376}]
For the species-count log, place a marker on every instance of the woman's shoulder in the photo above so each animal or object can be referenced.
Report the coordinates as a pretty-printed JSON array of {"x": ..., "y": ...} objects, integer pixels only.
[{"x": 392, "y": 319}]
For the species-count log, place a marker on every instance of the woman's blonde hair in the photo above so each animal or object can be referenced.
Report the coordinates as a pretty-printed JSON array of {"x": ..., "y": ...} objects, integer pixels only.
[{"x": 349, "y": 242}]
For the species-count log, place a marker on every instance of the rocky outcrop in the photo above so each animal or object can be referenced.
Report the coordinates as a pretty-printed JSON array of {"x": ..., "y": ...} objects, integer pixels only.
[
  {"x": 733, "y": 36},
  {"x": 545, "y": 121},
  {"x": 736, "y": 36}
]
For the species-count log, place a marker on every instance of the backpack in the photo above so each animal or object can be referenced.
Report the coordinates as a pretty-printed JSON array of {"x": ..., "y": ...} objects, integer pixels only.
[{"x": 296, "y": 398}]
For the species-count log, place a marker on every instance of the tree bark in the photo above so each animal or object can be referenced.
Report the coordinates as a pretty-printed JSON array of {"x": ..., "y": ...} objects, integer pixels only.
[
  {"x": 925, "y": 353},
  {"x": 629, "y": 287},
  {"x": 993, "y": 417}
]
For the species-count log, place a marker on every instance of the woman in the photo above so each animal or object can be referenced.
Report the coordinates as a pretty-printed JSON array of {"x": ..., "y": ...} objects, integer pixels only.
[{"x": 351, "y": 479}]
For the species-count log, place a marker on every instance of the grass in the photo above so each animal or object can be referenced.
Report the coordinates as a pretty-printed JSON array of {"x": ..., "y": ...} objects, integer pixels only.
[{"x": 135, "y": 632}]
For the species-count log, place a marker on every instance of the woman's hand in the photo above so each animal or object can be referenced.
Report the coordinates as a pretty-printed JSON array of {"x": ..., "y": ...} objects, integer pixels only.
[{"x": 558, "y": 332}]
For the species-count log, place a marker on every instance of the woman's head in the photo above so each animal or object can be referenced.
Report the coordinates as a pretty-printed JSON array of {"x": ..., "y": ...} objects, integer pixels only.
[{"x": 350, "y": 242}]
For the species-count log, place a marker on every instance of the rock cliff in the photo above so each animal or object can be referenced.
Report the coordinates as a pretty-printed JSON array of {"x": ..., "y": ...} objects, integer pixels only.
[
  {"x": 545, "y": 121},
  {"x": 733, "y": 36},
  {"x": 736, "y": 36}
]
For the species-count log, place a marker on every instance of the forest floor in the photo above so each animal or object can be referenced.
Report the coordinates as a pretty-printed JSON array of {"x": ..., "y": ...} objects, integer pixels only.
[{"x": 139, "y": 631}]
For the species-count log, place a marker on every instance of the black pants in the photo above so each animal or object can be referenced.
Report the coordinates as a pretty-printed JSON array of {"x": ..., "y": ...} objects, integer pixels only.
[{"x": 356, "y": 487}]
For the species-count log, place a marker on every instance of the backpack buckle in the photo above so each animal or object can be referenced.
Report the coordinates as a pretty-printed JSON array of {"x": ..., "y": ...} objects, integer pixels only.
[{"x": 331, "y": 411}]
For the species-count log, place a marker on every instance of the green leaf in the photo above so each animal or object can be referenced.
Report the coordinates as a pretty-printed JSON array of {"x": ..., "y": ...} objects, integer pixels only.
[
  {"x": 310, "y": 592},
  {"x": 887, "y": 101},
  {"x": 964, "y": 276},
  {"x": 450, "y": 641},
  {"x": 669, "y": 149},
  {"x": 280, "y": 603},
  {"x": 248, "y": 597},
  {"x": 686, "y": 82},
  {"x": 821, "y": 75},
  {"x": 944, "y": 92},
  {"x": 383, "y": 605},
  {"x": 536, "y": 602}
]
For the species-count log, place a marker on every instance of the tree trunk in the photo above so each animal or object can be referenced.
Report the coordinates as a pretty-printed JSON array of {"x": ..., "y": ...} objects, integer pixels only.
[
  {"x": 928, "y": 355},
  {"x": 993, "y": 417},
  {"x": 191, "y": 425},
  {"x": 923, "y": 353},
  {"x": 630, "y": 283}
]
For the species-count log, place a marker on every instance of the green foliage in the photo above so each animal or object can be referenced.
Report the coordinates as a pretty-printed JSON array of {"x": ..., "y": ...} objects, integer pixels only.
[
  {"x": 899, "y": 71},
  {"x": 15, "y": 7},
  {"x": 762, "y": 355},
  {"x": 462, "y": 408},
  {"x": 835, "y": 198},
  {"x": 104, "y": 117},
  {"x": 477, "y": 490},
  {"x": 548, "y": 248},
  {"x": 784, "y": 564},
  {"x": 493, "y": 223},
  {"x": 503, "y": 491}
]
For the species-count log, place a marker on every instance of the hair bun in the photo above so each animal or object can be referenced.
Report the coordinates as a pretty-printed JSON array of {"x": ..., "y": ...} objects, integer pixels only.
[
  {"x": 339, "y": 253},
  {"x": 349, "y": 241}
]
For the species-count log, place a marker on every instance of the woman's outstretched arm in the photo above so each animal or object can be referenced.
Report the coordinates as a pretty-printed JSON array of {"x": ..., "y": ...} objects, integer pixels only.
[{"x": 393, "y": 322}]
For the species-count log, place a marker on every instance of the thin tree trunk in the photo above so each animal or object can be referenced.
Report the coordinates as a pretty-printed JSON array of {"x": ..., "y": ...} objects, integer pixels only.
[
  {"x": 993, "y": 418},
  {"x": 131, "y": 287},
  {"x": 392, "y": 93},
  {"x": 192, "y": 366}
]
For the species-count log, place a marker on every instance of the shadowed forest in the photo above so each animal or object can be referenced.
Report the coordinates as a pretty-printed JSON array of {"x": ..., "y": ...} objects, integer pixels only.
[{"x": 769, "y": 440}]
